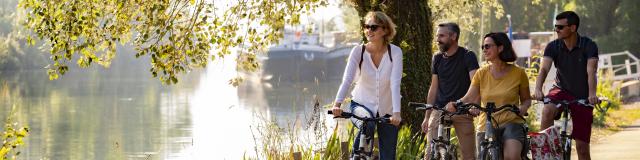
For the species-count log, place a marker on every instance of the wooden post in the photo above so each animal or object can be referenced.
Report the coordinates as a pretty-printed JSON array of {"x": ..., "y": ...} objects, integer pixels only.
[
  {"x": 344, "y": 146},
  {"x": 297, "y": 156}
]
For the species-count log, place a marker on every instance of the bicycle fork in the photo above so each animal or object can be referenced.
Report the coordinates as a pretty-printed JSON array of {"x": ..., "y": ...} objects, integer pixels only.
[{"x": 365, "y": 147}]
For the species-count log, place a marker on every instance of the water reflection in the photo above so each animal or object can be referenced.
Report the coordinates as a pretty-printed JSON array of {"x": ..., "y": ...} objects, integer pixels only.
[{"x": 99, "y": 114}]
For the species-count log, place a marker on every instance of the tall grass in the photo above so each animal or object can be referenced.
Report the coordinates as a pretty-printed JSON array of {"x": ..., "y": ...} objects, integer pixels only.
[
  {"x": 337, "y": 147},
  {"x": 281, "y": 143},
  {"x": 606, "y": 88},
  {"x": 410, "y": 146},
  {"x": 276, "y": 143},
  {"x": 273, "y": 142}
]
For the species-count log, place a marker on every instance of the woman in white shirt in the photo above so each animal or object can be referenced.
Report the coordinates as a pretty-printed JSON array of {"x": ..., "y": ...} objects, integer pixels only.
[{"x": 377, "y": 71}]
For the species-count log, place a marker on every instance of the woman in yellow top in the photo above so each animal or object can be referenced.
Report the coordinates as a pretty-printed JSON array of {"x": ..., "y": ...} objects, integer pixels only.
[{"x": 503, "y": 83}]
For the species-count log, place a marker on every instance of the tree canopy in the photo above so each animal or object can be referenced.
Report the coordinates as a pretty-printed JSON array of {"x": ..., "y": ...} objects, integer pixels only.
[{"x": 178, "y": 35}]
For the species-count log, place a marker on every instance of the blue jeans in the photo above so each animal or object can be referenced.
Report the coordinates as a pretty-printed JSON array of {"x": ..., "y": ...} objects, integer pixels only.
[{"x": 387, "y": 136}]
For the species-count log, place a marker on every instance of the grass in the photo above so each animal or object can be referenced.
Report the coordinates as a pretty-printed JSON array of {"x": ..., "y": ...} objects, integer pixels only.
[
  {"x": 282, "y": 143},
  {"x": 410, "y": 146},
  {"x": 615, "y": 121}
]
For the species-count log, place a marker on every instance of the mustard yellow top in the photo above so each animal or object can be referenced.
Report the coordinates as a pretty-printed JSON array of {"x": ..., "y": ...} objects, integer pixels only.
[{"x": 501, "y": 91}]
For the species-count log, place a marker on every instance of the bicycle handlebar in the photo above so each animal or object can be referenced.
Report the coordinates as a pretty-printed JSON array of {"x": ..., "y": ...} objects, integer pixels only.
[
  {"x": 511, "y": 107},
  {"x": 423, "y": 106},
  {"x": 583, "y": 102},
  {"x": 384, "y": 119}
]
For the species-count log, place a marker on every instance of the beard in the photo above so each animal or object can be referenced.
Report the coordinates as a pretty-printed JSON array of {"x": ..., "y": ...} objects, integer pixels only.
[{"x": 443, "y": 47}]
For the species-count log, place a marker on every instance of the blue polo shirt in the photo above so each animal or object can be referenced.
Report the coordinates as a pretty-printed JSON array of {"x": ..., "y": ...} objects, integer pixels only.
[{"x": 572, "y": 64}]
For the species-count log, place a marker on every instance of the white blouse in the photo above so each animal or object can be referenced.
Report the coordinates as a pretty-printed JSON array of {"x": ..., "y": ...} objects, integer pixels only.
[{"x": 376, "y": 88}]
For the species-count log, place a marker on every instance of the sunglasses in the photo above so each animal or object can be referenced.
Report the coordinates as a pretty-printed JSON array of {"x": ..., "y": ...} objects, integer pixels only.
[
  {"x": 372, "y": 27},
  {"x": 486, "y": 46},
  {"x": 560, "y": 27}
]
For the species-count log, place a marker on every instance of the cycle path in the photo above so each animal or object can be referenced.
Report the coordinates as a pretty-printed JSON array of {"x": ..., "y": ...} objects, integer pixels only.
[{"x": 619, "y": 146}]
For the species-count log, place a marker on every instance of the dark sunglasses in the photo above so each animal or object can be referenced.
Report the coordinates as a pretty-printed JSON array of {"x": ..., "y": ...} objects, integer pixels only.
[
  {"x": 560, "y": 27},
  {"x": 486, "y": 46},
  {"x": 372, "y": 27}
]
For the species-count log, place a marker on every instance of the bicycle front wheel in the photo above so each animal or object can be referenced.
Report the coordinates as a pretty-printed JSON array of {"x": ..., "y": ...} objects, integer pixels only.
[
  {"x": 452, "y": 153},
  {"x": 489, "y": 154},
  {"x": 566, "y": 148},
  {"x": 442, "y": 153}
]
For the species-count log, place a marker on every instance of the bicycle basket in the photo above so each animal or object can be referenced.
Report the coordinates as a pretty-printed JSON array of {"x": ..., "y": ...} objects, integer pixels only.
[
  {"x": 545, "y": 145},
  {"x": 360, "y": 111}
]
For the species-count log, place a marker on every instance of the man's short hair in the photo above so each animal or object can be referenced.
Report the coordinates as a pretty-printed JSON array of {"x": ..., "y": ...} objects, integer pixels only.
[
  {"x": 453, "y": 27},
  {"x": 572, "y": 18}
]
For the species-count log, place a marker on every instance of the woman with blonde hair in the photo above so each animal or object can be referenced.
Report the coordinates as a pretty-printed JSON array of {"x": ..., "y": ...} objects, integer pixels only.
[{"x": 376, "y": 68}]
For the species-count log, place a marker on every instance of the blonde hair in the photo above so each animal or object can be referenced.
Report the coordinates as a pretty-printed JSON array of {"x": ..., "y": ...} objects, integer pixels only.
[{"x": 383, "y": 20}]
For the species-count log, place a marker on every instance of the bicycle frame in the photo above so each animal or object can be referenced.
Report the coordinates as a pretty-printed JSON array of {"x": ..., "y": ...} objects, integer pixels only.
[
  {"x": 440, "y": 146},
  {"x": 490, "y": 147},
  {"x": 364, "y": 150}
]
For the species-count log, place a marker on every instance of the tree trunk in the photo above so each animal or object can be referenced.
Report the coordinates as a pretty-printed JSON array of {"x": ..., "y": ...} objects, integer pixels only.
[{"x": 414, "y": 35}]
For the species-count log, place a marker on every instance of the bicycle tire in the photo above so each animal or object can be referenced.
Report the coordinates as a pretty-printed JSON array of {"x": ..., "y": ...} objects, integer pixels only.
[
  {"x": 441, "y": 155},
  {"x": 453, "y": 153},
  {"x": 489, "y": 154},
  {"x": 437, "y": 157},
  {"x": 448, "y": 154},
  {"x": 495, "y": 155},
  {"x": 566, "y": 147},
  {"x": 432, "y": 154},
  {"x": 484, "y": 154}
]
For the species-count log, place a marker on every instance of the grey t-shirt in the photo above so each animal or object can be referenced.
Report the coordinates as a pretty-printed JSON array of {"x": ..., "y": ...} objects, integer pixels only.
[{"x": 453, "y": 74}]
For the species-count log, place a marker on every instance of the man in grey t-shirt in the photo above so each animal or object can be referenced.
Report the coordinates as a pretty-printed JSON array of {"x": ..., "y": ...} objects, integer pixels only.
[{"x": 452, "y": 70}]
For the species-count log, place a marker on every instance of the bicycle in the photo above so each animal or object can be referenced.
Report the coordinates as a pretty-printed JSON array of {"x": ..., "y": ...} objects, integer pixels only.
[
  {"x": 565, "y": 138},
  {"x": 490, "y": 147},
  {"x": 441, "y": 147},
  {"x": 360, "y": 116}
]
